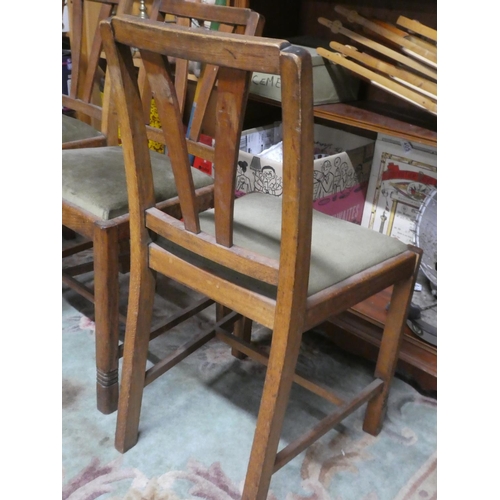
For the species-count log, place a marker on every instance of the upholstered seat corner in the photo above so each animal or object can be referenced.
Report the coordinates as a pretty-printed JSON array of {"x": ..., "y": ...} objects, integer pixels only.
[
  {"x": 74, "y": 130},
  {"x": 94, "y": 179}
]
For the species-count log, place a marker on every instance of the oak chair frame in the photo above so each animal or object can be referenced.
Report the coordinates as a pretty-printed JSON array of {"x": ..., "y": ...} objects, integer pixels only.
[{"x": 292, "y": 311}]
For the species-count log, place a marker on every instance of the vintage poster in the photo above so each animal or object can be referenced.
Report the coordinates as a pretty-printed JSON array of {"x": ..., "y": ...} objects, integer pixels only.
[{"x": 402, "y": 175}]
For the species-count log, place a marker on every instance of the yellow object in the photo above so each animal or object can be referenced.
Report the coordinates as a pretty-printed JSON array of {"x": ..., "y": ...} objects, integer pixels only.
[{"x": 154, "y": 121}]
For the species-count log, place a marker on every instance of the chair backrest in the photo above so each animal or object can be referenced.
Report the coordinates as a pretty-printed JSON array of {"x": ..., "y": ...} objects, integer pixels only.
[
  {"x": 237, "y": 56},
  {"x": 85, "y": 65},
  {"x": 182, "y": 12},
  {"x": 214, "y": 17}
]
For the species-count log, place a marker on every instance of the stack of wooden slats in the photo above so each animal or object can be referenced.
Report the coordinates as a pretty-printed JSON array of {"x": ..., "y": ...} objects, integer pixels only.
[{"x": 406, "y": 65}]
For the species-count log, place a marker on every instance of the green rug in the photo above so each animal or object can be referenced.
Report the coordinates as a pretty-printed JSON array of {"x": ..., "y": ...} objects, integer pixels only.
[{"x": 197, "y": 424}]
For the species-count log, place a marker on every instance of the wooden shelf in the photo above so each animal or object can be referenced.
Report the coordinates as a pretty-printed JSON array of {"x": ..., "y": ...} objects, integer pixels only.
[
  {"x": 375, "y": 117},
  {"x": 380, "y": 117}
]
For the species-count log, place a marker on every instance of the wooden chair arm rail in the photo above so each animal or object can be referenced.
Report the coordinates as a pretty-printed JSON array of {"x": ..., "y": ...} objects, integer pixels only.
[
  {"x": 240, "y": 259},
  {"x": 251, "y": 304}
]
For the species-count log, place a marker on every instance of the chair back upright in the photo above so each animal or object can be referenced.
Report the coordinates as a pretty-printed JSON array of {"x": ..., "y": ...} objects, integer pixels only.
[{"x": 236, "y": 56}]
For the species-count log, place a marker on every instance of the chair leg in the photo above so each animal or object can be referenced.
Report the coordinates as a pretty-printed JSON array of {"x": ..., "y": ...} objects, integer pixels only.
[
  {"x": 124, "y": 257},
  {"x": 389, "y": 354},
  {"x": 139, "y": 317},
  {"x": 242, "y": 330},
  {"x": 282, "y": 362},
  {"x": 106, "y": 306},
  {"x": 220, "y": 311},
  {"x": 68, "y": 234}
]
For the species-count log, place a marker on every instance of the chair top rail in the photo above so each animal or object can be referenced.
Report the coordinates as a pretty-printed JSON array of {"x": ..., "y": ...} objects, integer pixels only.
[
  {"x": 207, "y": 12},
  {"x": 248, "y": 53},
  {"x": 114, "y": 2}
]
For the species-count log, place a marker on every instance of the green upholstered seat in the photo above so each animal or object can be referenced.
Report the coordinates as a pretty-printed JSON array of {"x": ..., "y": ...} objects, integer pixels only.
[
  {"x": 339, "y": 248},
  {"x": 73, "y": 130},
  {"x": 94, "y": 179}
]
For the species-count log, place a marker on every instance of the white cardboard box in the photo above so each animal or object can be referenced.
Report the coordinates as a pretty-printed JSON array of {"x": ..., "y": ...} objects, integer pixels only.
[
  {"x": 402, "y": 174},
  {"x": 331, "y": 83},
  {"x": 341, "y": 168}
]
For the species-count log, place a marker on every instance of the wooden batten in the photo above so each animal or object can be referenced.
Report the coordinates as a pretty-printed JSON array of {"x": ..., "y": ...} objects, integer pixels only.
[
  {"x": 417, "y": 27},
  {"x": 385, "y": 83},
  {"x": 251, "y": 304},
  {"x": 337, "y": 27},
  {"x": 415, "y": 82}
]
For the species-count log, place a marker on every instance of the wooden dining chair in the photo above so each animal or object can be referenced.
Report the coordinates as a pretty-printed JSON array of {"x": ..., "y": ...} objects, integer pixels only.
[
  {"x": 273, "y": 260},
  {"x": 86, "y": 121},
  {"x": 95, "y": 203}
]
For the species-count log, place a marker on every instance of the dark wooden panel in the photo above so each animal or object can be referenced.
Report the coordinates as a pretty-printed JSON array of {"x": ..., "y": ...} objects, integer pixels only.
[{"x": 282, "y": 17}]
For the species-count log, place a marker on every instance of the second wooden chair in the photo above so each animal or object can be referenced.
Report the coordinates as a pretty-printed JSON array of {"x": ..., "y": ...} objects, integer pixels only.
[
  {"x": 78, "y": 130},
  {"x": 95, "y": 203}
]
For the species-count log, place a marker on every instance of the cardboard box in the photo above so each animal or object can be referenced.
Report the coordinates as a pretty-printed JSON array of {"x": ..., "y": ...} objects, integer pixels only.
[
  {"x": 331, "y": 82},
  {"x": 341, "y": 168},
  {"x": 402, "y": 175}
]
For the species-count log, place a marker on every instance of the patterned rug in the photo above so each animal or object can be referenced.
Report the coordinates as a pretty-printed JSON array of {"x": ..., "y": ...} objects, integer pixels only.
[{"x": 198, "y": 419}]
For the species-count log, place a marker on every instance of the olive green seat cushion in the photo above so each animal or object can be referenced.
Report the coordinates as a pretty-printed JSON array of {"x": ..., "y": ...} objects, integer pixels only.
[
  {"x": 94, "y": 180},
  {"x": 74, "y": 130},
  {"x": 339, "y": 250}
]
